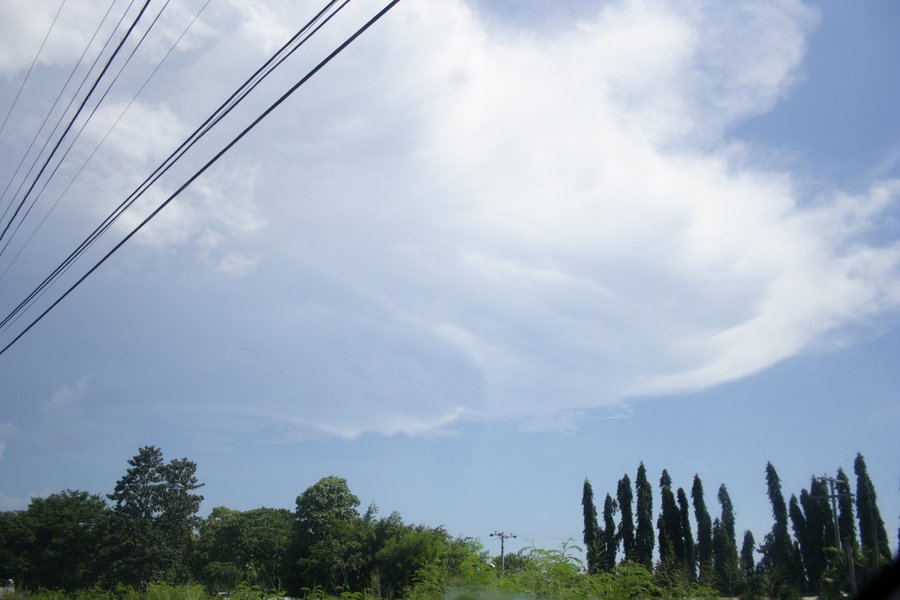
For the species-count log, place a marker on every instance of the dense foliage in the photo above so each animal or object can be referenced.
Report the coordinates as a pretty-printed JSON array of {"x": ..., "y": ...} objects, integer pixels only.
[{"x": 145, "y": 541}]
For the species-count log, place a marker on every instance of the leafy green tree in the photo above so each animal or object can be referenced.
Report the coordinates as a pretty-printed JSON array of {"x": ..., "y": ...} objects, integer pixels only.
[
  {"x": 243, "y": 547},
  {"x": 60, "y": 542},
  {"x": 704, "y": 530},
  {"x": 610, "y": 539},
  {"x": 626, "y": 521},
  {"x": 155, "y": 516},
  {"x": 589, "y": 511},
  {"x": 818, "y": 533},
  {"x": 329, "y": 541},
  {"x": 872, "y": 534},
  {"x": 748, "y": 564},
  {"x": 685, "y": 517},
  {"x": 643, "y": 542}
]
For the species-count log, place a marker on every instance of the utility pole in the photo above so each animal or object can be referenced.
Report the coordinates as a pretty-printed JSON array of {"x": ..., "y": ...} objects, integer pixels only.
[
  {"x": 503, "y": 537},
  {"x": 833, "y": 496}
]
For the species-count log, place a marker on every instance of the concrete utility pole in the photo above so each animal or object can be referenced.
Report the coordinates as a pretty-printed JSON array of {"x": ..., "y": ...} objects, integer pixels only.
[
  {"x": 833, "y": 496},
  {"x": 503, "y": 537}
]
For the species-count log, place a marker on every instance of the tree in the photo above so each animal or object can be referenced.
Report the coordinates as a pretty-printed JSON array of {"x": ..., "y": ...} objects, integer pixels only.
[
  {"x": 155, "y": 515},
  {"x": 725, "y": 555},
  {"x": 777, "y": 545},
  {"x": 671, "y": 539},
  {"x": 610, "y": 539},
  {"x": 748, "y": 565},
  {"x": 643, "y": 542},
  {"x": 872, "y": 534},
  {"x": 704, "y": 530},
  {"x": 846, "y": 520},
  {"x": 243, "y": 547},
  {"x": 60, "y": 542},
  {"x": 626, "y": 521},
  {"x": 329, "y": 539},
  {"x": 685, "y": 517},
  {"x": 589, "y": 511}
]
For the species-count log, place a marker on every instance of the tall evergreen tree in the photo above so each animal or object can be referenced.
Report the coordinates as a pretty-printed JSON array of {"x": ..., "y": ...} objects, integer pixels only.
[
  {"x": 591, "y": 540},
  {"x": 704, "y": 530},
  {"x": 725, "y": 563},
  {"x": 624, "y": 498},
  {"x": 684, "y": 514},
  {"x": 872, "y": 534},
  {"x": 671, "y": 539},
  {"x": 801, "y": 530},
  {"x": 777, "y": 545},
  {"x": 643, "y": 543},
  {"x": 846, "y": 520},
  {"x": 748, "y": 564},
  {"x": 610, "y": 539},
  {"x": 819, "y": 534}
]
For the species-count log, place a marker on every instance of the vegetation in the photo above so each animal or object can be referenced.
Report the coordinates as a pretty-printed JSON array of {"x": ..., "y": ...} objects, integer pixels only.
[{"x": 145, "y": 541}]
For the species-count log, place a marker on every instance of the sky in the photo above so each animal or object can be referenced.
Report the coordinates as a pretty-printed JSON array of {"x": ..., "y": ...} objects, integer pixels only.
[{"x": 492, "y": 249}]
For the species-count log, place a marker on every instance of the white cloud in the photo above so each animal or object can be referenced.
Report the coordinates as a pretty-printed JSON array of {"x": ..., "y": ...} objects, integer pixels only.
[
  {"x": 456, "y": 221},
  {"x": 65, "y": 402}
]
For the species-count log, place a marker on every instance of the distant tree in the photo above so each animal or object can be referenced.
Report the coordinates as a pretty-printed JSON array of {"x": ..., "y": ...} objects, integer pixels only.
[
  {"x": 59, "y": 542},
  {"x": 704, "y": 530},
  {"x": 724, "y": 565},
  {"x": 624, "y": 498},
  {"x": 589, "y": 512},
  {"x": 748, "y": 564},
  {"x": 243, "y": 547},
  {"x": 643, "y": 543},
  {"x": 668, "y": 524},
  {"x": 801, "y": 533},
  {"x": 610, "y": 539},
  {"x": 685, "y": 517},
  {"x": 777, "y": 545},
  {"x": 725, "y": 554},
  {"x": 155, "y": 515},
  {"x": 872, "y": 534},
  {"x": 846, "y": 520},
  {"x": 329, "y": 542},
  {"x": 818, "y": 535}
]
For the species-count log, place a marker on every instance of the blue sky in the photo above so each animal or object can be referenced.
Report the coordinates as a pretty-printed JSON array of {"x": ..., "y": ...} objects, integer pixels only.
[{"x": 491, "y": 250}]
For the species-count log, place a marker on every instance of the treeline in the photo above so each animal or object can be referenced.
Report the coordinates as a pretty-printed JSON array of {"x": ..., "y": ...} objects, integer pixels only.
[
  {"x": 812, "y": 548},
  {"x": 147, "y": 531}
]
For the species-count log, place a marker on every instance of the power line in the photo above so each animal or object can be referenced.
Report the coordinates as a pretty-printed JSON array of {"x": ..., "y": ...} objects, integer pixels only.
[
  {"x": 217, "y": 115},
  {"x": 105, "y": 136},
  {"x": 208, "y": 164},
  {"x": 31, "y": 68},
  {"x": 84, "y": 123},
  {"x": 65, "y": 110},
  {"x": 74, "y": 118},
  {"x": 503, "y": 537}
]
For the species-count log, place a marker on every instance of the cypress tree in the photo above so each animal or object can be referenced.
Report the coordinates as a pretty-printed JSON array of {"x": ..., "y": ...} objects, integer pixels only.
[
  {"x": 872, "y": 534},
  {"x": 777, "y": 546},
  {"x": 671, "y": 539},
  {"x": 610, "y": 539},
  {"x": 684, "y": 514},
  {"x": 643, "y": 543},
  {"x": 846, "y": 521},
  {"x": 748, "y": 565},
  {"x": 727, "y": 567},
  {"x": 819, "y": 534},
  {"x": 626, "y": 522},
  {"x": 704, "y": 530},
  {"x": 801, "y": 530},
  {"x": 725, "y": 564},
  {"x": 590, "y": 525}
]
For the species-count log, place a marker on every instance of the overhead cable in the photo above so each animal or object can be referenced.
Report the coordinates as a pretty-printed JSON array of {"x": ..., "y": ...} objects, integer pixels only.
[
  {"x": 297, "y": 40},
  {"x": 73, "y": 119},
  {"x": 207, "y": 165}
]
